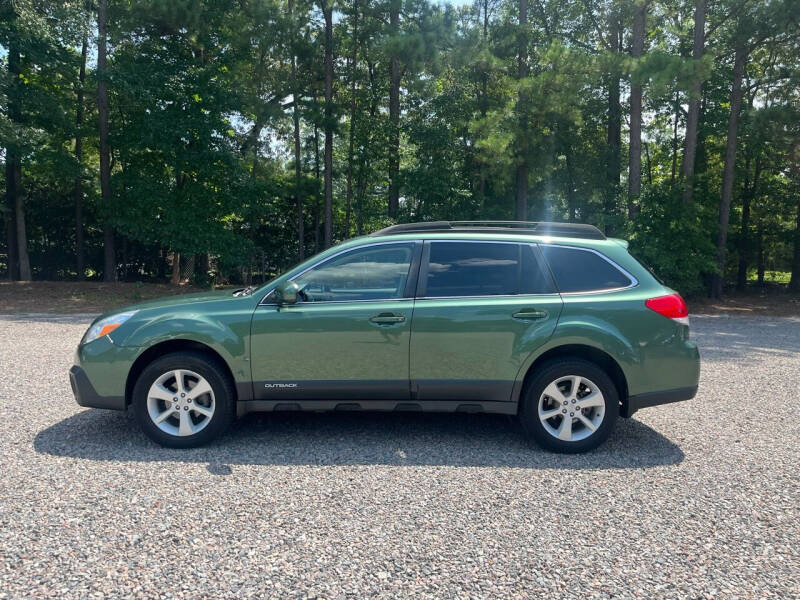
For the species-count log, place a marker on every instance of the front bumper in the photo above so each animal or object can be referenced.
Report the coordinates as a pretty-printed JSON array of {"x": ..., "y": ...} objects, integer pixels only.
[
  {"x": 85, "y": 394},
  {"x": 634, "y": 403}
]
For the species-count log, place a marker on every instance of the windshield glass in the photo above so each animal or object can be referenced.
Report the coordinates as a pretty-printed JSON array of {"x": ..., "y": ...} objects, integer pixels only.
[{"x": 251, "y": 289}]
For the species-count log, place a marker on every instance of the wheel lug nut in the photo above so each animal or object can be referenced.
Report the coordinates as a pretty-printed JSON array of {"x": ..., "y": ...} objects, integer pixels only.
[
  {"x": 571, "y": 414},
  {"x": 182, "y": 395},
  {"x": 175, "y": 399},
  {"x": 185, "y": 408},
  {"x": 564, "y": 411}
]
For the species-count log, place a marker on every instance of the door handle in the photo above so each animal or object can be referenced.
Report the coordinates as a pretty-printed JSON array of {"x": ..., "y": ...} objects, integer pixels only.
[
  {"x": 530, "y": 314},
  {"x": 387, "y": 318}
]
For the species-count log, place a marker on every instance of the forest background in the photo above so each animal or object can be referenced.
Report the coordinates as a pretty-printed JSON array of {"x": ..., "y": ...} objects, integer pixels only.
[{"x": 220, "y": 141}]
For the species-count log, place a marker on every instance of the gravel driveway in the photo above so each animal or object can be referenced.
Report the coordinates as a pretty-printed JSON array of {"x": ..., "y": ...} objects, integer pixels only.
[{"x": 690, "y": 500}]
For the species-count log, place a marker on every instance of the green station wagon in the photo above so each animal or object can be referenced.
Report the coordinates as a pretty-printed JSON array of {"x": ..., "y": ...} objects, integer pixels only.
[{"x": 552, "y": 322}]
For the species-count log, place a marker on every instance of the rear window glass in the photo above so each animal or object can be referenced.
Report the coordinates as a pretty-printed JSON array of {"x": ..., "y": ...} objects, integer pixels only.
[
  {"x": 577, "y": 270},
  {"x": 483, "y": 269},
  {"x": 647, "y": 268}
]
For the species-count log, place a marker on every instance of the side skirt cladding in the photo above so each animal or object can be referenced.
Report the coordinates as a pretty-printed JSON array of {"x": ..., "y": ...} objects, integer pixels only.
[{"x": 503, "y": 408}]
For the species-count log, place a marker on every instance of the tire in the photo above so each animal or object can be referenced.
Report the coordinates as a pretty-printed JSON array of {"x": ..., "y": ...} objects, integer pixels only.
[
  {"x": 550, "y": 387},
  {"x": 185, "y": 420}
]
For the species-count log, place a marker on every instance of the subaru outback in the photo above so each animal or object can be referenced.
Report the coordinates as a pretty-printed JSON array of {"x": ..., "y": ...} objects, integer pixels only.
[{"x": 551, "y": 322}]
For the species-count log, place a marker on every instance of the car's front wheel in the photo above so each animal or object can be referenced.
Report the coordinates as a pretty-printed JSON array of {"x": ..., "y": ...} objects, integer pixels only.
[
  {"x": 569, "y": 406},
  {"x": 183, "y": 400}
]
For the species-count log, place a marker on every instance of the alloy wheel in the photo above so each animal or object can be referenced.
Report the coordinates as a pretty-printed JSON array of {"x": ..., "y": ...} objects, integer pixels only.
[
  {"x": 181, "y": 402},
  {"x": 571, "y": 408}
]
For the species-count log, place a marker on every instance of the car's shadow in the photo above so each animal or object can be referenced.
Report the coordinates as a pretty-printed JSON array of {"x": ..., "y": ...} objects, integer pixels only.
[{"x": 355, "y": 439}]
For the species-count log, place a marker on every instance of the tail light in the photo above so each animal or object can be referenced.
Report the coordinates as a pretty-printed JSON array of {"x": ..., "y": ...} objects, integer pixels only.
[{"x": 672, "y": 306}]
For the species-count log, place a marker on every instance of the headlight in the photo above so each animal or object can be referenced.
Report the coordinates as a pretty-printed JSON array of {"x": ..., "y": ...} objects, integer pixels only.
[{"x": 105, "y": 326}]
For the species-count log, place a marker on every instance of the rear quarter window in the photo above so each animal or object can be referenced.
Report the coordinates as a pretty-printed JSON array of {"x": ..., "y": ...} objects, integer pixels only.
[{"x": 580, "y": 270}]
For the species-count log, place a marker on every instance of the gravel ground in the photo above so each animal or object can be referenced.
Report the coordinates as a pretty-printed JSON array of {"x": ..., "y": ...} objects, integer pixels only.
[{"x": 690, "y": 500}]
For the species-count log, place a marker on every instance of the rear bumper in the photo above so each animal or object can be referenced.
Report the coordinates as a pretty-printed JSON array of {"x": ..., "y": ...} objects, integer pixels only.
[
  {"x": 639, "y": 401},
  {"x": 85, "y": 394}
]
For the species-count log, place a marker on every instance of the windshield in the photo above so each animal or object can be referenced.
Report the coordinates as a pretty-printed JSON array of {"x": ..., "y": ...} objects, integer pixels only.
[{"x": 250, "y": 289}]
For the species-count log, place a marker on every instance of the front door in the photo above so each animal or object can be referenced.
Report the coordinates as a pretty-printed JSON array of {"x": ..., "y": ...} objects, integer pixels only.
[
  {"x": 347, "y": 338},
  {"x": 482, "y": 308}
]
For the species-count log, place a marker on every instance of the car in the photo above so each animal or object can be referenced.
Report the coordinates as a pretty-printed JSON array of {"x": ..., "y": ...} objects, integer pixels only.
[{"x": 551, "y": 322}]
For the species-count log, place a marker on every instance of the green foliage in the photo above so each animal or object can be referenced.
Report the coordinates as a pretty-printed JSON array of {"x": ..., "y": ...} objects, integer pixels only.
[
  {"x": 203, "y": 95},
  {"x": 671, "y": 238}
]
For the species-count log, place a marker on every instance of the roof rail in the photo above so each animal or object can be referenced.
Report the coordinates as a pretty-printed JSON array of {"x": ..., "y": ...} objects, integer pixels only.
[{"x": 574, "y": 230}]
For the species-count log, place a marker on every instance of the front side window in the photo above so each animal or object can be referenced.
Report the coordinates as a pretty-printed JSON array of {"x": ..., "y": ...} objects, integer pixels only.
[
  {"x": 483, "y": 269},
  {"x": 577, "y": 270},
  {"x": 373, "y": 273}
]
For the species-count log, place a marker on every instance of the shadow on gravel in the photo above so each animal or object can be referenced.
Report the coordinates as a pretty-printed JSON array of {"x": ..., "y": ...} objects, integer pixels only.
[
  {"x": 355, "y": 439},
  {"x": 723, "y": 338}
]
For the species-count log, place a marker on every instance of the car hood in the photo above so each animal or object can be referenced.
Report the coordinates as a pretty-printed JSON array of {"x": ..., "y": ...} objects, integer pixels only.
[
  {"x": 174, "y": 302},
  {"x": 182, "y": 299}
]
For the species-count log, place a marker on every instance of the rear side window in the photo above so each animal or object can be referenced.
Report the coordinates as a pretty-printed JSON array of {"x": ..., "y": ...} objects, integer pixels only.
[
  {"x": 483, "y": 269},
  {"x": 534, "y": 278},
  {"x": 577, "y": 270}
]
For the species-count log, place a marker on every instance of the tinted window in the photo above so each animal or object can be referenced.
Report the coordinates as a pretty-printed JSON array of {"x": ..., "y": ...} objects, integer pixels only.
[
  {"x": 578, "y": 270},
  {"x": 483, "y": 269},
  {"x": 647, "y": 268},
  {"x": 372, "y": 273},
  {"x": 534, "y": 280}
]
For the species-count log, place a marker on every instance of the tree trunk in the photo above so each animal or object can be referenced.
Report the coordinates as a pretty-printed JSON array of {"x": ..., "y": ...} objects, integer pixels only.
[
  {"x": 729, "y": 172},
  {"x": 484, "y": 106},
  {"x": 361, "y": 186},
  {"x": 10, "y": 160},
  {"x": 572, "y": 201},
  {"x": 327, "y": 10},
  {"x": 11, "y": 221},
  {"x": 315, "y": 222},
  {"x": 521, "y": 181},
  {"x": 676, "y": 116},
  {"x": 301, "y": 234},
  {"x": 79, "y": 264},
  {"x": 161, "y": 261},
  {"x": 19, "y": 215},
  {"x": 109, "y": 262},
  {"x": 175, "y": 278},
  {"x": 252, "y": 144},
  {"x": 760, "y": 251},
  {"x": 351, "y": 125},
  {"x": 794, "y": 282},
  {"x": 614, "y": 165},
  {"x": 204, "y": 265},
  {"x": 635, "y": 144},
  {"x": 749, "y": 195},
  {"x": 124, "y": 258},
  {"x": 394, "y": 116},
  {"x": 15, "y": 194},
  {"x": 693, "y": 116}
]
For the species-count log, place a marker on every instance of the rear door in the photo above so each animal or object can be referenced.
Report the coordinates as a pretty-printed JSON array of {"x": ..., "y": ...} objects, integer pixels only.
[{"x": 481, "y": 309}]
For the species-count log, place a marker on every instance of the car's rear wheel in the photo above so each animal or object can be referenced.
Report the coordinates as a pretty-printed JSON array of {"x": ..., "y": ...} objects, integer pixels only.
[
  {"x": 183, "y": 400},
  {"x": 569, "y": 406}
]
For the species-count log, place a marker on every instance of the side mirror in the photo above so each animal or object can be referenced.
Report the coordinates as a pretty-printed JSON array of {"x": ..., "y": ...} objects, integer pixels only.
[{"x": 287, "y": 293}]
